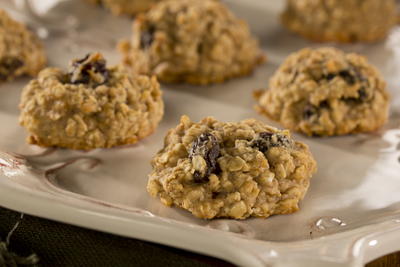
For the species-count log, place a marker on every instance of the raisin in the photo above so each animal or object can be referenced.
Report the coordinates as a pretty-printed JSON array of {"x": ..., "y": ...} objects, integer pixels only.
[
  {"x": 198, "y": 178},
  {"x": 147, "y": 37},
  {"x": 362, "y": 94},
  {"x": 330, "y": 76},
  {"x": 89, "y": 70},
  {"x": 324, "y": 104},
  {"x": 347, "y": 76},
  {"x": 309, "y": 111},
  {"x": 206, "y": 146},
  {"x": 344, "y": 74},
  {"x": 214, "y": 195},
  {"x": 362, "y": 97},
  {"x": 267, "y": 140},
  {"x": 350, "y": 76},
  {"x": 8, "y": 65},
  {"x": 12, "y": 63}
]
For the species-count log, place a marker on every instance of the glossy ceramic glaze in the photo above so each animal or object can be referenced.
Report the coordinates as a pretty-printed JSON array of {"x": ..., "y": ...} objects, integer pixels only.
[{"x": 350, "y": 215}]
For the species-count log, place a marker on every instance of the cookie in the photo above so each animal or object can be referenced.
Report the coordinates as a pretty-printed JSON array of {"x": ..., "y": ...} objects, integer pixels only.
[
  {"x": 21, "y": 52},
  {"x": 340, "y": 21},
  {"x": 234, "y": 170},
  {"x": 325, "y": 92},
  {"x": 128, "y": 7},
  {"x": 191, "y": 41},
  {"x": 91, "y": 106}
]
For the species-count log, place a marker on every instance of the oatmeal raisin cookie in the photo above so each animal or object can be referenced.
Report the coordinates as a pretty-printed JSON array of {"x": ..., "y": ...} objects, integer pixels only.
[
  {"x": 341, "y": 20},
  {"x": 326, "y": 92},
  {"x": 191, "y": 41},
  {"x": 234, "y": 170},
  {"x": 91, "y": 106},
  {"x": 21, "y": 52}
]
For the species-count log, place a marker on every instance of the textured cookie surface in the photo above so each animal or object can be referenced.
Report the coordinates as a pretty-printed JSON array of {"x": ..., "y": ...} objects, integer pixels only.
[
  {"x": 234, "y": 170},
  {"x": 326, "y": 92},
  {"x": 341, "y": 21},
  {"x": 193, "y": 41},
  {"x": 91, "y": 106},
  {"x": 129, "y": 7},
  {"x": 20, "y": 50}
]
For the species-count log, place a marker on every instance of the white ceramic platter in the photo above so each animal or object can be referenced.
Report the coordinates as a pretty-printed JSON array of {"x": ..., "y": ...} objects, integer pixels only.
[{"x": 350, "y": 215}]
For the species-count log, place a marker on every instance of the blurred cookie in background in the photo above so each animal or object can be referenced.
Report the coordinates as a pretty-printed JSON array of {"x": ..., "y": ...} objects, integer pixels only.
[
  {"x": 340, "y": 21},
  {"x": 191, "y": 41},
  {"x": 325, "y": 92},
  {"x": 21, "y": 51}
]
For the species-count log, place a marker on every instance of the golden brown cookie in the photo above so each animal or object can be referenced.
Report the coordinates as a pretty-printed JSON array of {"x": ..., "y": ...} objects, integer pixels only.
[
  {"x": 191, "y": 41},
  {"x": 21, "y": 52},
  {"x": 235, "y": 170},
  {"x": 326, "y": 92},
  {"x": 341, "y": 20},
  {"x": 91, "y": 106}
]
